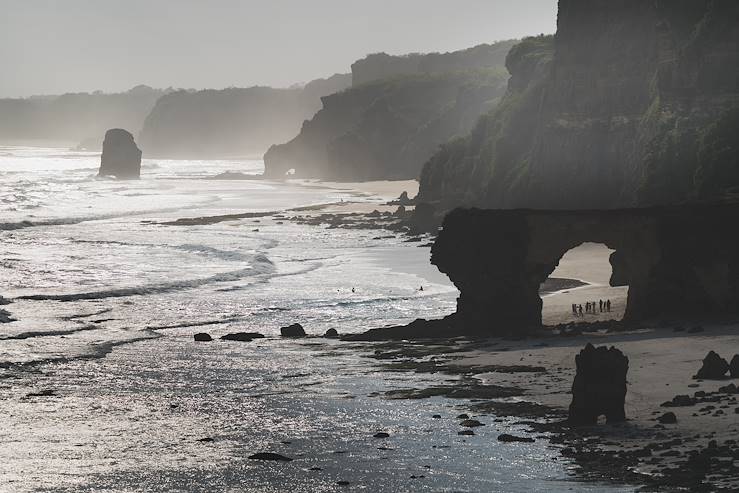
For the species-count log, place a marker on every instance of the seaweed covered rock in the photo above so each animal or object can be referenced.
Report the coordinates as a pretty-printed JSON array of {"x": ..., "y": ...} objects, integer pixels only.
[
  {"x": 121, "y": 157},
  {"x": 599, "y": 387}
]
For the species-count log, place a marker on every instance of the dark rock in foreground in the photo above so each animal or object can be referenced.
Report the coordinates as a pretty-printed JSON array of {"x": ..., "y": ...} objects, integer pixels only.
[
  {"x": 202, "y": 337},
  {"x": 294, "y": 330},
  {"x": 242, "y": 336},
  {"x": 714, "y": 367},
  {"x": 734, "y": 366},
  {"x": 505, "y": 437},
  {"x": 599, "y": 387},
  {"x": 121, "y": 157},
  {"x": 270, "y": 456}
]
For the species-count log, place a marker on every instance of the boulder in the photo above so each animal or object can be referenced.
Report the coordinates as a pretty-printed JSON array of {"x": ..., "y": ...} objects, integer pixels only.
[
  {"x": 241, "y": 336},
  {"x": 294, "y": 330},
  {"x": 734, "y": 366},
  {"x": 202, "y": 337},
  {"x": 331, "y": 333},
  {"x": 121, "y": 157},
  {"x": 668, "y": 418},
  {"x": 599, "y": 387},
  {"x": 714, "y": 367},
  {"x": 505, "y": 437}
]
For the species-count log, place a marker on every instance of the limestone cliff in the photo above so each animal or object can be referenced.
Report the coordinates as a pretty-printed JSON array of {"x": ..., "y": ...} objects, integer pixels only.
[
  {"x": 387, "y": 128},
  {"x": 234, "y": 122},
  {"x": 631, "y": 103}
]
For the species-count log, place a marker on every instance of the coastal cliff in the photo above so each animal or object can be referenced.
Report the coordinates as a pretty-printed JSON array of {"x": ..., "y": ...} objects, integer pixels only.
[
  {"x": 233, "y": 122},
  {"x": 631, "y": 103},
  {"x": 75, "y": 117},
  {"x": 397, "y": 113}
]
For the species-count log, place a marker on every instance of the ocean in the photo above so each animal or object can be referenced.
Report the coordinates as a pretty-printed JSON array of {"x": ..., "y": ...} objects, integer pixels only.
[{"x": 103, "y": 387}]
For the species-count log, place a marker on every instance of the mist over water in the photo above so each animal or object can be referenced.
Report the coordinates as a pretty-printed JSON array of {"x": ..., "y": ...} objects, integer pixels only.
[{"x": 103, "y": 387}]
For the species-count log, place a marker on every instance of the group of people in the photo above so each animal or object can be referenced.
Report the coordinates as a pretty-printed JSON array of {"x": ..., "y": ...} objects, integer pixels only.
[{"x": 590, "y": 307}]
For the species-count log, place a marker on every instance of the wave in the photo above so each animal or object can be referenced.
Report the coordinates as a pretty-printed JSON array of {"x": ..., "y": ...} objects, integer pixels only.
[
  {"x": 262, "y": 265},
  {"x": 65, "y": 221}
]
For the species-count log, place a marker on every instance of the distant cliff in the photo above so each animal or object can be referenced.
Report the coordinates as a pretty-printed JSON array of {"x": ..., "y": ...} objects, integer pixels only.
[
  {"x": 631, "y": 103},
  {"x": 232, "y": 122},
  {"x": 387, "y": 128},
  {"x": 74, "y": 118}
]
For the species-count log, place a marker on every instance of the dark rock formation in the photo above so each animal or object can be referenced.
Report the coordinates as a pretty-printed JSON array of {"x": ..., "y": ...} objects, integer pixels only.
[
  {"x": 680, "y": 262},
  {"x": 233, "y": 122},
  {"x": 632, "y": 103},
  {"x": 599, "y": 387},
  {"x": 202, "y": 337},
  {"x": 714, "y": 367},
  {"x": 294, "y": 330},
  {"x": 387, "y": 128},
  {"x": 381, "y": 434},
  {"x": 734, "y": 366},
  {"x": 121, "y": 158},
  {"x": 270, "y": 456},
  {"x": 471, "y": 423},
  {"x": 506, "y": 438},
  {"x": 331, "y": 333},
  {"x": 242, "y": 336},
  {"x": 668, "y": 418}
]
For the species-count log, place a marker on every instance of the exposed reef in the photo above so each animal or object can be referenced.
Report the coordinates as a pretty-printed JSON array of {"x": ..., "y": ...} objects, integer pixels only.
[{"x": 121, "y": 157}]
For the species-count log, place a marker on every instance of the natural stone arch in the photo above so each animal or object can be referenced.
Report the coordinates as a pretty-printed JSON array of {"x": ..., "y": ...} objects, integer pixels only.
[{"x": 678, "y": 261}]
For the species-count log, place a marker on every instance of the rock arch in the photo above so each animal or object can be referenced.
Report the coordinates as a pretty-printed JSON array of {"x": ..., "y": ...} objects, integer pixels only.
[{"x": 679, "y": 262}]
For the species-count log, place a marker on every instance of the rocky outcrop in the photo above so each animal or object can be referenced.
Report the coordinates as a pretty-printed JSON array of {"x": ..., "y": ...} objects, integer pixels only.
[
  {"x": 387, "y": 128},
  {"x": 202, "y": 337},
  {"x": 714, "y": 367},
  {"x": 599, "y": 388},
  {"x": 294, "y": 330},
  {"x": 121, "y": 157},
  {"x": 233, "y": 122},
  {"x": 679, "y": 262},
  {"x": 632, "y": 103},
  {"x": 734, "y": 366}
]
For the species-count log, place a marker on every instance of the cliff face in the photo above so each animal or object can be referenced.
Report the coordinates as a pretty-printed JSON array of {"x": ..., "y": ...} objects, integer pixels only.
[
  {"x": 74, "y": 117},
  {"x": 233, "y": 122},
  {"x": 633, "y": 103},
  {"x": 383, "y": 66},
  {"x": 387, "y": 128}
]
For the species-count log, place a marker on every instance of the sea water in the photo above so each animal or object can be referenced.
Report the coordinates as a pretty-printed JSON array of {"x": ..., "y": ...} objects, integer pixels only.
[{"x": 103, "y": 387}]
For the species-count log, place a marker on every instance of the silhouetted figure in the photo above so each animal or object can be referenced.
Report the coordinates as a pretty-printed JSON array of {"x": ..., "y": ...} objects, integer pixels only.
[
  {"x": 608, "y": 305},
  {"x": 580, "y": 309},
  {"x": 352, "y": 290},
  {"x": 574, "y": 309},
  {"x": 600, "y": 305},
  {"x": 421, "y": 288}
]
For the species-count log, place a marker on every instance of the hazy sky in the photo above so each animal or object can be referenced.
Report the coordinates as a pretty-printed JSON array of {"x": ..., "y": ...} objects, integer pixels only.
[{"x": 55, "y": 46}]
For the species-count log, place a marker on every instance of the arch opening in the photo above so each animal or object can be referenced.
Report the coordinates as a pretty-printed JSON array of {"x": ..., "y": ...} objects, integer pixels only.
[{"x": 584, "y": 278}]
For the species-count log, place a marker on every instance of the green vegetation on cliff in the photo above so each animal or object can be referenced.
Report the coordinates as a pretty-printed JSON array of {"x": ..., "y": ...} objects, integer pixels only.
[
  {"x": 388, "y": 127},
  {"x": 631, "y": 103}
]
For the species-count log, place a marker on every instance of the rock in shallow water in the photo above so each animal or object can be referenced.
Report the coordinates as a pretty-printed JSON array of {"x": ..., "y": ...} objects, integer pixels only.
[
  {"x": 331, "y": 333},
  {"x": 121, "y": 157},
  {"x": 270, "y": 456},
  {"x": 242, "y": 336},
  {"x": 202, "y": 337},
  {"x": 505, "y": 437},
  {"x": 294, "y": 330}
]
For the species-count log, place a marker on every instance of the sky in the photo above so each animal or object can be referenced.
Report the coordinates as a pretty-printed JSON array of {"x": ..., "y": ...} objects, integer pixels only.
[{"x": 57, "y": 46}]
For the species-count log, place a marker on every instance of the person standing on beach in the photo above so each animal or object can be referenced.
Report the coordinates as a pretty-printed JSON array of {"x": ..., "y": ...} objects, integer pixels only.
[
  {"x": 600, "y": 305},
  {"x": 580, "y": 308}
]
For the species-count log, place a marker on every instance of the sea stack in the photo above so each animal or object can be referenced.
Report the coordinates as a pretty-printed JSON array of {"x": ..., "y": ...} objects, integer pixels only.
[
  {"x": 599, "y": 387},
  {"x": 121, "y": 157}
]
